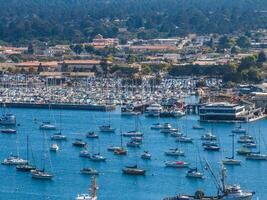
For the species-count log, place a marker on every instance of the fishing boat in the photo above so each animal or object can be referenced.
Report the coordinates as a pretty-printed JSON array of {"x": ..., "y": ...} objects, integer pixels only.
[
  {"x": 47, "y": 126},
  {"x": 177, "y": 164},
  {"x": 194, "y": 173},
  {"x": 89, "y": 171},
  {"x": 146, "y": 155},
  {"x": 231, "y": 160},
  {"x": 54, "y": 147},
  {"x": 58, "y": 136},
  {"x": 133, "y": 170},
  {"x": 9, "y": 131},
  {"x": 84, "y": 153},
  {"x": 97, "y": 157},
  {"x": 225, "y": 192},
  {"x": 91, "y": 135},
  {"x": 8, "y": 119},
  {"x": 174, "y": 152},
  {"x": 79, "y": 143},
  {"x": 92, "y": 192}
]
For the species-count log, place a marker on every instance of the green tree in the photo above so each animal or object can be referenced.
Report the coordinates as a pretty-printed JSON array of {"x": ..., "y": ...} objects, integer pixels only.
[
  {"x": 30, "y": 49},
  {"x": 247, "y": 63},
  {"x": 225, "y": 42},
  {"x": 261, "y": 57},
  {"x": 146, "y": 69},
  {"x": 89, "y": 48},
  {"x": 78, "y": 48},
  {"x": 243, "y": 42}
]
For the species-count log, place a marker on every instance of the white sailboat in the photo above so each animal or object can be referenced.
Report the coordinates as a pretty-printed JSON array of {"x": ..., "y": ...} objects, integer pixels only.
[{"x": 231, "y": 160}]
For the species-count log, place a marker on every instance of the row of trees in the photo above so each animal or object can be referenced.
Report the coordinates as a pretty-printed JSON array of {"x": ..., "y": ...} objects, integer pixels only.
[{"x": 78, "y": 20}]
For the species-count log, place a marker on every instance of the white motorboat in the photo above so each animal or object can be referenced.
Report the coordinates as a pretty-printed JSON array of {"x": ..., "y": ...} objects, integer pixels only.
[
  {"x": 133, "y": 134},
  {"x": 14, "y": 160},
  {"x": 54, "y": 147},
  {"x": 47, "y": 126},
  {"x": 174, "y": 152},
  {"x": 208, "y": 136},
  {"x": 107, "y": 129},
  {"x": 8, "y": 119},
  {"x": 153, "y": 110},
  {"x": 194, "y": 173},
  {"x": 58, "y": 136},
  {"x": 156, "y": 126},
  {"x": 256, "y": 156},
  {"x": 184, "y": 139},
  {"x": 146, "y": 155},
  {"x": 97, "y": 157},
  {"x": 89, "y": 171}
]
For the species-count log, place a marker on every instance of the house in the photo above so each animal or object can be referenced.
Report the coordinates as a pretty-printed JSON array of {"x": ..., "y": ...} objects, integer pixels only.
[
  {"x": 46, "y": 66},
  {"x": 79, "y": 65}
]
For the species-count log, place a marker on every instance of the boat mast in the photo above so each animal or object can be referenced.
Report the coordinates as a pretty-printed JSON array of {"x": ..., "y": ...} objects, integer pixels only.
[
  {"x": 93, "y": 187},
  {"x": 233, "y": 146}
]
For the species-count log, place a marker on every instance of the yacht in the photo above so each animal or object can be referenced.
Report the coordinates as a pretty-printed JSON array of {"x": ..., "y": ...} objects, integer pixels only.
[
  {"x": 177, "y": 164},
  {"x": 79, "y": 143},
  {"x": 239, "y": 130},
  {"x": 128, "y": 110},
  {"x": 97, "y": 157},
  {"x": 133, "y": 144},
  {"x": 256, "y": 156},
  {"x": 153, "y": 110},
  {"x": 243, "y": 151},
  {"x": 25, "y": 167},
  {"x": 198, "y": 127},
  {"x": 208, "y": 136},
  {"x": 41, "y": 174},
  {"x": 211, "y": 146},
  {"x": 8, "y": 119},
  {"x": 14, "y": 160},
  {"x": 113, "y": 148},
  {"x": 107, "y": 129},
  {"x": 89, "y": 171},
  {"x": 232, "y": 160},
  {"x": 133, "y": 134},
  {"x": 47, "y": 126},
  {"x": 58, "y": 136},
  {"x": 174, "y": 152},
  {"x": 146, "y": 155},
  {"x": 133, "y": 170},
  {"x": 184, "y": 139},
  {"x": 84, "y": 154},
  {"x": 92, "y": 191},
  {"x": 178, "y": 113},
  {"x": 91, "y": 135},
  {"x": 194, "y": 173},
  {"x": 9, "y": 131},
  {"x": 156, "y": 126}
]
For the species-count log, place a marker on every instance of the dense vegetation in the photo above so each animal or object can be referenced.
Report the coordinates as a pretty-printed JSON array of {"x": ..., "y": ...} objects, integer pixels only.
[{"x": 81, "y": 20}]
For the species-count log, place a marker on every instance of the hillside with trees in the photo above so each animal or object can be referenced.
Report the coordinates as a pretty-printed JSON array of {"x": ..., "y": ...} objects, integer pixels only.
[{"x": 80, "y": 20}]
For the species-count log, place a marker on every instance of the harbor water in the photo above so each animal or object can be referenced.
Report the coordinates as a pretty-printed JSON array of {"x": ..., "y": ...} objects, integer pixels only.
[{"x": 159, "y": 181}]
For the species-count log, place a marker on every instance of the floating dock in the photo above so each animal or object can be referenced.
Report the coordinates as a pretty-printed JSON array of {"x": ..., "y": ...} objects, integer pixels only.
[{"x": 61, "y": 106}]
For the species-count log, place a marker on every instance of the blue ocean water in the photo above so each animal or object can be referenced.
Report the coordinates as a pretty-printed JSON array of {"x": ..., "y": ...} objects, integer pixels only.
[{"x": 159, "y": 181}]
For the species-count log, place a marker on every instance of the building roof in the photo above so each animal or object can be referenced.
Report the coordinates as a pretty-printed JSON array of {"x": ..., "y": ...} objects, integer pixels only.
[
  {"x": 153, "y": 47},
  {"x": 37, "y": 63},
  {"x": 82, "y": 62}
]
